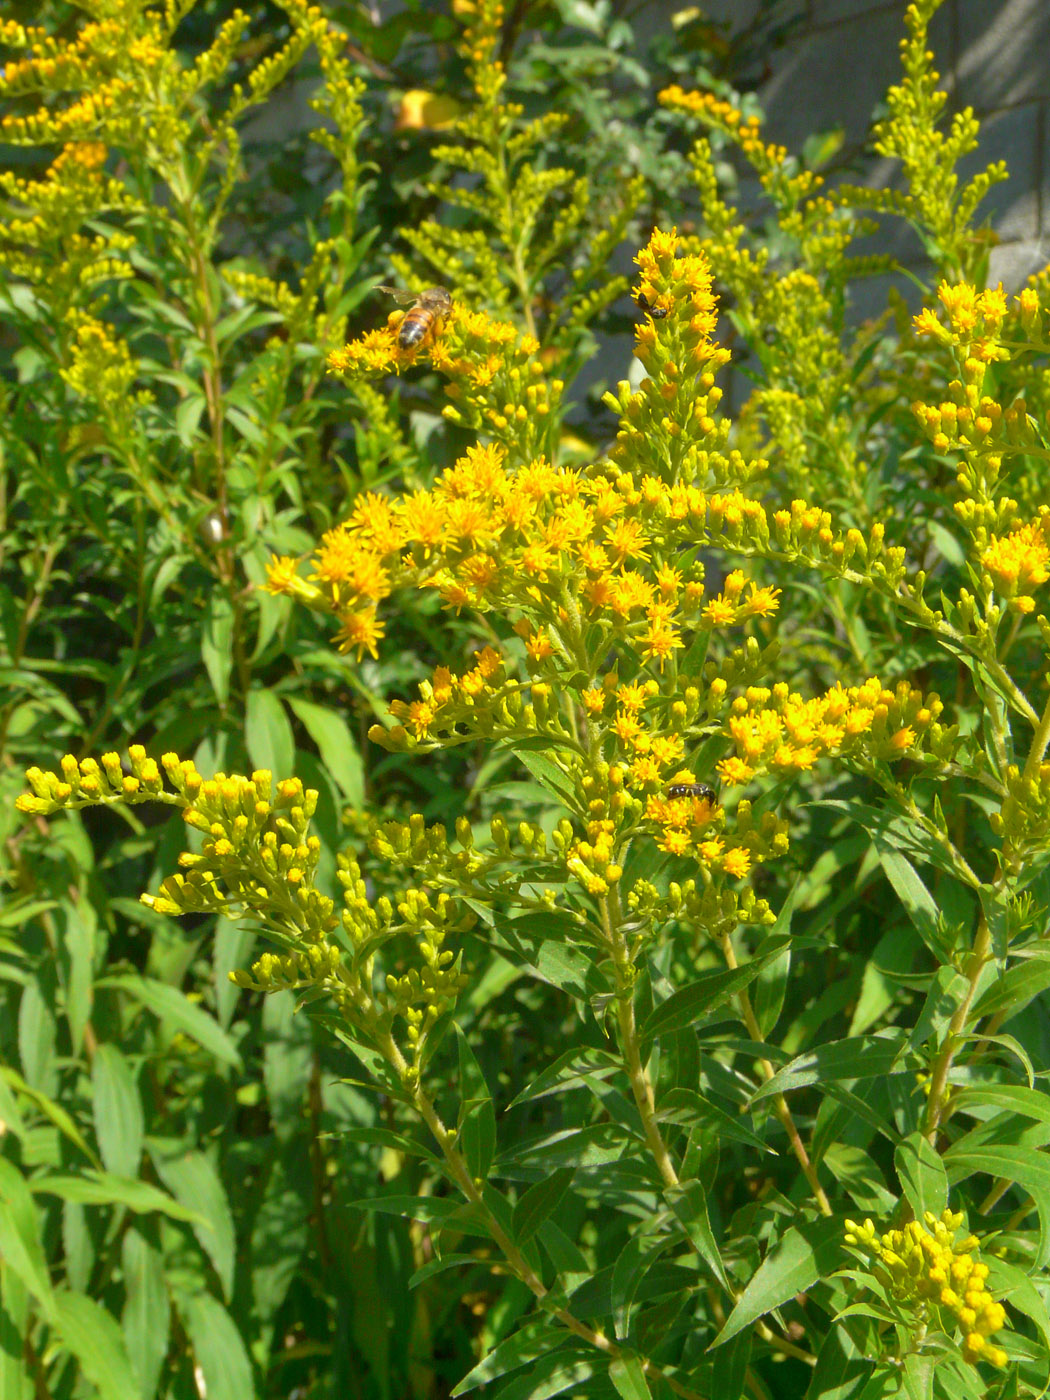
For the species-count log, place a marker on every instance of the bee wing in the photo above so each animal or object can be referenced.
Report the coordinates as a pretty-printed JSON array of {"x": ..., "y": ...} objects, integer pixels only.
[{"x": 402, "y": 298}]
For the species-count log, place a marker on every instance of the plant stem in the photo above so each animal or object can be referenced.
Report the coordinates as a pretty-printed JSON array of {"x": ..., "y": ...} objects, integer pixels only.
[
  {"x": 982, "y": 946},
  {"x": 516, "y": 1260},
  {"x": 780, "y": 1105}
]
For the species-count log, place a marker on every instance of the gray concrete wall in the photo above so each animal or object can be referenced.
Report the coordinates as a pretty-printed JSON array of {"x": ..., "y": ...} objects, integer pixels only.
[{"x": 992, "y": 55}]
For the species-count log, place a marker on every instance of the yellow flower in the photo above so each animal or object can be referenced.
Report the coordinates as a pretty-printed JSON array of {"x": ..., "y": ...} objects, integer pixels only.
[
  {"x": 360, "y": 632},
  {"x": 1019, "y": 562},
  {"x": 426, "y": 110},
  {"x": 917, "y": 1261}
]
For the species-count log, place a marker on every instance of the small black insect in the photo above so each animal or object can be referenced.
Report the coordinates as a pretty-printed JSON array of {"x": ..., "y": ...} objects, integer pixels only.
[
  {"x": 656, "y": 312},
  {"x": 693, "y": 790}
]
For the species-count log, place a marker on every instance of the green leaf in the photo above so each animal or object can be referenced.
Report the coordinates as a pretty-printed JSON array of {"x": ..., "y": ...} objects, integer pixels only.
[
  {"x": 169, "y": 1004},
  {"x": 543, "y": 942},
  {"x": 146, "y": 1319},
  {"x": 288, "y": 1054},
  {"x": 690, "y": 1109},
  {"x": 843, "y": 1371},
  {"x": 386, "y": 1137},
  {"x": 119, "y": 1125},
  {"x": 895, "y": 832},
  {"x": 10, "y": 1117},
  {"x": 919, "y": 904},
  {"x": 918, "y": 1375},
  {"x": 20, "y": 1236},
  {"x": 196, "y": 1185},
  {"x": 78, "y": 1246},
  {"x": 628, "y": 1376},
  {"x": 566, "y": 1256},
  {"x": 730, "y": 1368},
  {"x": 36, "y": 1037},
  {"x": 633, "y": 1262},
  {"x": 922, "y": 1176},
  {"x": 767, "y": 1000},
  {"x": 57, "y": 1114},
  {"x": 91, "y": 1334},
  {"x": 894, "y": 953},
  {"x": 1011, "y": 1284},
  {"x": 15, "y": 1381},
  {"x": 571, "y": 1070},
  {"x": 217, "y": 643},
  {"x": 440, "y": 1265},
  {"x": 684, "y": 1008},
  {"x": 862, "y": 1057},
  {"x": 268, "y": 734},
  {"x": 1027, "y": 1166},
  {"x": 946, "y": 992},
  {"x": 688, "y": 1201},
  {"x": 950, "y": 549},
  {"x": 432, "y": 1210},
  {"x": 1012, "y": 1098},
  {"x": 597, "y": 1145},
  {"x": 549, "y": 776},
  {"x": 335, "y": 744},
  {"x": 552, "y": 1375},
  {"x": 103, "y": 1188},
  {"x": 477, "y": 1117},
  {"x": 1013, "y": 990},
  {"x": 226, "y": 1371},
  {"x": 804, "y": 1254},
  {"x": 280, "y": 1232},
  {"x": 537, "y": 1337},
  {"x": 77, "y": 953},
  {"x": 232, "y": 947},
  {"x": 539, "y": 1202}
]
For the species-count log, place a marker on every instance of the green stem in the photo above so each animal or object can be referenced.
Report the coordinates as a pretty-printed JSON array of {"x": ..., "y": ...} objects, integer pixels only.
[
  {"x": 445, "y": 1139},
  {"x": 979, "y": 955},
  {"x": 780, "y": 1104},
  {"x": 1038, "y": 747}
]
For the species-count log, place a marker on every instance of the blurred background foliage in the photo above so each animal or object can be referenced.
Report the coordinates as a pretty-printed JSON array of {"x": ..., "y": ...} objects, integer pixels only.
[{"x": 130, "y": 613}]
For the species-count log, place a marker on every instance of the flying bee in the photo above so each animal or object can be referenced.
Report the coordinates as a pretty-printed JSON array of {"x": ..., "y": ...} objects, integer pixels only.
[
  {"x": 424, "y": 318},
  {"x": 701, "y": 790},
  {"x": 656, "y": 312}
]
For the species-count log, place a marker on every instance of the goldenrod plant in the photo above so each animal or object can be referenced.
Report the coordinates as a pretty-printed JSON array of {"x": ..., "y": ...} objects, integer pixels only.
[{"x": 719, "y": 924}]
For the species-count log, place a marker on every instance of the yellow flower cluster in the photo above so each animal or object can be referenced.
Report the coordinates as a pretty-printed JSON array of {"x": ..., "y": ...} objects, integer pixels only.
[
  {"x": 483, "y": 23},
  {"x": 548, "y": 544},
  {"x": 690, "y": 825},
  {"x": 256, "y": 852},
  {"x": 1020, "y": 561},
  {"x": 259, "y": 858},
  {"x": 108, "y": 62},
  {"x": 779, "y": 176},
  {"x": 1023, "y": 821},
  {"x": 102, "y": 368},
  {"x": 936, "y": 1277},
  {"x": 496, "y": 382},
  {"x": 94, "y": 782},
  {"x": 970, "y": 421},
  {"x": 777, "y": 731},
  {"x": 716, "y": 112},
  {"x": 480, "y": 695},
  {"x": 668, "y": 427}
]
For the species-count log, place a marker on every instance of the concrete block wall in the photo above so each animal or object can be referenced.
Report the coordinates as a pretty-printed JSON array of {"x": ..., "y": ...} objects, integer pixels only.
[{"x": 992, "y": 55}]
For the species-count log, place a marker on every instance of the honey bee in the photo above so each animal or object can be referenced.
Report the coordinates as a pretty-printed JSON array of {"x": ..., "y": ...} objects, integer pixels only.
[
  {"x": 656, "y": 312},
  {"x": 701, "y": 790},
  {"x": 424, "y": 318}
]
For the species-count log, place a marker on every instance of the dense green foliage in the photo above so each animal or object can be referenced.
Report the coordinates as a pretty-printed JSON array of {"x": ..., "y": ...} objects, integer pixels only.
[{"x": 594, "y": 1095}]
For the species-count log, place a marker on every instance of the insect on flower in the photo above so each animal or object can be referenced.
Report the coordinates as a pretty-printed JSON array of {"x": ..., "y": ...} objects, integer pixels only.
[
  {"x": 424, "y": 319},
  {"x": 701, "y": 790},
  {"x": 656, "y": 312}
]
